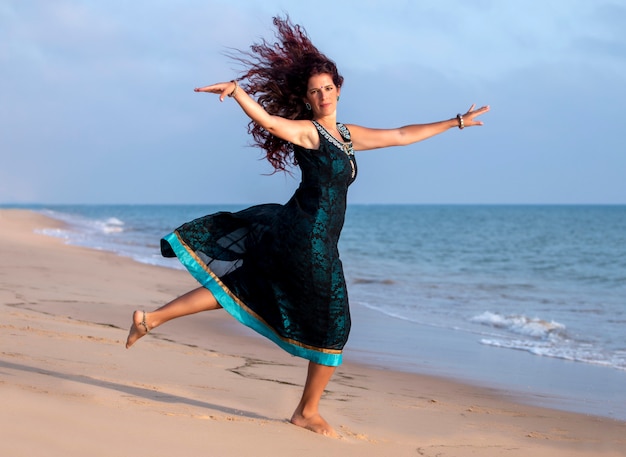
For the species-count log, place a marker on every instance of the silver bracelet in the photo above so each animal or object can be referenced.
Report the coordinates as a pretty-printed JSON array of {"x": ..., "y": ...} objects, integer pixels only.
[
  {"x": 459, "y": 118},
  {"x": 234, "y": 92}
]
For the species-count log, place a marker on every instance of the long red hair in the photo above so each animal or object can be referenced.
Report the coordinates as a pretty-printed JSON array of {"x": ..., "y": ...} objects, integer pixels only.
[{"x": 277, "y": 76}]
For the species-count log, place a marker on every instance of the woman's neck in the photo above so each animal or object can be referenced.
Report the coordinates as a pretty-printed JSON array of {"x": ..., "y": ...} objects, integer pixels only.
[{"x": 328, "y": 122}]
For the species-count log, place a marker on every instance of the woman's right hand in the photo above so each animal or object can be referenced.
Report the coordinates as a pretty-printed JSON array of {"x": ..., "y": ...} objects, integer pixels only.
[{"x": 224, "y": 89}]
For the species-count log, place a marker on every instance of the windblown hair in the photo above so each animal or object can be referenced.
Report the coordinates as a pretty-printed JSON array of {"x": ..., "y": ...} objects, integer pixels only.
[{"x": 277, "y": 76}]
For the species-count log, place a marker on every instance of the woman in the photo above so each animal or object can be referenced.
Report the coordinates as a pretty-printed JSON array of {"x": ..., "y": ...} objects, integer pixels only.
[{"x": 276, "y": 268}]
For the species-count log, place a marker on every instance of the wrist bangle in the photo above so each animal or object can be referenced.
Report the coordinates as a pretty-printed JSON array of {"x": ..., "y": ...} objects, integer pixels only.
[
  {"x": 234, "y": 92},
  {"x": 459, "y": 118}
]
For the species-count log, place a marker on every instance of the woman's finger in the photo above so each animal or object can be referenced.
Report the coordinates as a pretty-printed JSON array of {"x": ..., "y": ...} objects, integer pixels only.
[{"x": 204, "y": 89}]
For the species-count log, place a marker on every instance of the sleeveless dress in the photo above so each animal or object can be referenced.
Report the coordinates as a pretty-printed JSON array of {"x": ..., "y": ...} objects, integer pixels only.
[{"x": 276, "y": 268}]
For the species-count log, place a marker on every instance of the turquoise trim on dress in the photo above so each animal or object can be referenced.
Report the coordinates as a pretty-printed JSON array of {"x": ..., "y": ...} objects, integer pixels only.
[{"x": 223, "y": 296}]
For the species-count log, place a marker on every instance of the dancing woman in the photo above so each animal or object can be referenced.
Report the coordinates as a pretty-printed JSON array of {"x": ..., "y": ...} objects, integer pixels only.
[{"x": 276, "y": 268}]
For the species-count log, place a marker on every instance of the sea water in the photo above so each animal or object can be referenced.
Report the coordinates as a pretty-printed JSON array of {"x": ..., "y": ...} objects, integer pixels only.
[{"x": 457, "y": 290}]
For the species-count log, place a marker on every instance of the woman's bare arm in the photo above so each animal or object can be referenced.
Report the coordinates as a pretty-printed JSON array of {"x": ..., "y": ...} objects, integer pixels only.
[
  {"x": 299, "y": 132},
  {"x": 364, "y": 138}
]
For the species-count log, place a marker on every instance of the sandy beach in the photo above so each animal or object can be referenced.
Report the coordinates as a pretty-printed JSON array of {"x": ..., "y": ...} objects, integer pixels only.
[{"x": 202, "y": 385}]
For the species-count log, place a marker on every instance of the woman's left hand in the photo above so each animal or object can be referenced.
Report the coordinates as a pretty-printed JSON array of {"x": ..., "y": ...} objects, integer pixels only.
[{"x": 472, "y": 114}]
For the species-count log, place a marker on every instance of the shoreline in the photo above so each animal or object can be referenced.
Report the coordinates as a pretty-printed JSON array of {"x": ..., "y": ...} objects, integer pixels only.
[
  {"x": 378, "y": 339},
  {"x": 519, "y": 375},
  {"x": 65, "y": 312}
]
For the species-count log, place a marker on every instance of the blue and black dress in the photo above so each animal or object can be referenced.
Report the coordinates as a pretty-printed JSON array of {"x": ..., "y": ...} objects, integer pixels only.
[{"x": 276, "y": 268}]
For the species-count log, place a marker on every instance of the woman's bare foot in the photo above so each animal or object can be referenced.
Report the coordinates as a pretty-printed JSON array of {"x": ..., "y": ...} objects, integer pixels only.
[
  {"x": 315, "y": 423},
  {"x": 138, "y": 329}
]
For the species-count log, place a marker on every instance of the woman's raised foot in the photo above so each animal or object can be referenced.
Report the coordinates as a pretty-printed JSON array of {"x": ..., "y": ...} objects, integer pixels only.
[{"x": 138, "y": 329}]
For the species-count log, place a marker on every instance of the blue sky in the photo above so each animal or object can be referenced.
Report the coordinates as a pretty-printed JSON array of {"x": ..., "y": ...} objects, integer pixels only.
[{"x": 97, "y": 101}]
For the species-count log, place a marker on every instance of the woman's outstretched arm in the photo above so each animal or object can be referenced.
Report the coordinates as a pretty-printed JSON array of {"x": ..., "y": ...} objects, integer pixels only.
[
  {"x": 364, "y": 138},
  {"x": 297, "y": 132}
]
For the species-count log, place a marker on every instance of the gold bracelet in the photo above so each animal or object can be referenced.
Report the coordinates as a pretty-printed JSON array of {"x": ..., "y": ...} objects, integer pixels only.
[{"x": 234, "y": 92}]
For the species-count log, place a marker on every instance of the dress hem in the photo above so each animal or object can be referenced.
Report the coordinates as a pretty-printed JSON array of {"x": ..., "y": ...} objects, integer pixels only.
[{"x": 203, "y": 274}]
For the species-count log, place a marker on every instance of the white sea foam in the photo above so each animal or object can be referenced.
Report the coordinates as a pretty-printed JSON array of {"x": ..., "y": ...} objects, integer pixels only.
[
  {"x": 86, "y": 231},
  {"x": 568, "y": 350},
  {"x": 56, "y": 233},
  {"x": 519, "y": 324},
  {"x": 545, "y": 338},
  {"x": 111, "y": 225},
  {"x": 80, "y": 226}
]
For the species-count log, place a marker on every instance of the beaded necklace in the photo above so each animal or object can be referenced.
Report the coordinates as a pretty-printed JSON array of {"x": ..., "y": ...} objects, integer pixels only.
[{"x": 345, "y": 147}]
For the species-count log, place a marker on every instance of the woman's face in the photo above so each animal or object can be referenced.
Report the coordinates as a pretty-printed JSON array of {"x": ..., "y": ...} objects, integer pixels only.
[{"x": 322, "y": 95}]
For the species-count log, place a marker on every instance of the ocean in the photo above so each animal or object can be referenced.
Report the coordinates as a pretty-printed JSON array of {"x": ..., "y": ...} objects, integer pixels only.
[{"x": 529, "y": 299}]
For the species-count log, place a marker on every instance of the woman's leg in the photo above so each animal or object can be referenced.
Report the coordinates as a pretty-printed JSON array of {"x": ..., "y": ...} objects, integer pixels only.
[
  {"x": 307, "y": 413},
  {"x": 200, "y": 299}
]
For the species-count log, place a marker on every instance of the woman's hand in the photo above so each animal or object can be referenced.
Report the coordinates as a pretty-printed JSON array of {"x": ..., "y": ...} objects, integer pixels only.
[
  {"x": 472, "y": 114},
  {"x": 224, "y": 89}
]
